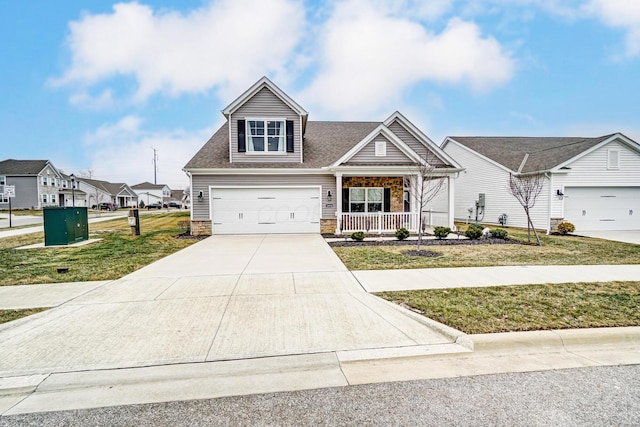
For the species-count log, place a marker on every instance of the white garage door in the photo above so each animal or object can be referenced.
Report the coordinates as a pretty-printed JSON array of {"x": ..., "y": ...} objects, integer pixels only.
[
  {"x": 265, "y": 210},
  {"x": 602, "y": 208}
]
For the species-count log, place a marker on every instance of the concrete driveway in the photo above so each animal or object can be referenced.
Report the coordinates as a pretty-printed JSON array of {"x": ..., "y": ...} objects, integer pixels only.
[
  {"x": 225, "y": 298},
  {"x": 626, "y": 236}
]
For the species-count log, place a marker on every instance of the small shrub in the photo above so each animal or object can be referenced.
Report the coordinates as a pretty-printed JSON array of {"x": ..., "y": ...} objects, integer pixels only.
[
  {"x": 358, "y": 236},
  {"x": 474, "y": 231},
  {"x": 566, "y": 227},
  {"x": 441, "y": 232},
  {"x": 402, "y": 233},
  {"x": 499, "y": 233}
]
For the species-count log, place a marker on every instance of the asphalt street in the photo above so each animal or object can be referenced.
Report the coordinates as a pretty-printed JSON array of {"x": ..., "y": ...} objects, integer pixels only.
[{"x": 600, "y": 396}]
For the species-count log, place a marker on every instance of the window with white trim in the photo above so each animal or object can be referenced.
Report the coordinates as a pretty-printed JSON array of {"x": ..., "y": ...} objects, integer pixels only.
[
  {"x": 53, "y": 198},
  {"x": 613, "y": 159},
  {"x": 3, "y": 180},
  {"x": 381, "y": 148},
  {"x": 44, "y": 180},
  {"x": 265, "y": 136},
  {"x": 44, "y": 198},
  {"x": 64, "y": 183},
  {"x": 3, "y": 199},
  {"x": 362, "y": 199},
  {"x": 53, "y": 182}
]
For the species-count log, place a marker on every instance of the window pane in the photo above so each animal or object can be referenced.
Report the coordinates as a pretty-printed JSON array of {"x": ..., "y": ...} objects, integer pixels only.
[
  {"x": 356, "y": 194},
  {"x": 374, "y": 207},
  {"x": 258, "y": 143},
  {"x": 374, "y": 194},
  {"x": 357, "y": 207}
]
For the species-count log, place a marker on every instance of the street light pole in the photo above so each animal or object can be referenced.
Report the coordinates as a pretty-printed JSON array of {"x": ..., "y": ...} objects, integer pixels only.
[{"x": 73, "y": 190}]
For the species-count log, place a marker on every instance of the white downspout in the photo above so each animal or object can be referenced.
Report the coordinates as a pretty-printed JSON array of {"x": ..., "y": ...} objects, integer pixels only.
[
  {"x": 338, "y": 209},
  {"x": 451, "y": 202},
  {"x": 550, "y": 199}
]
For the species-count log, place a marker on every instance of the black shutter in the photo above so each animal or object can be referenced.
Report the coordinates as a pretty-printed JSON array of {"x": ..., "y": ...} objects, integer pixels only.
[
  {"x": 289, "y": 136},
  {"x": 387, "y": 200},
  {"x": 242, "y": 139},
  {"x": 345, "y": 200}
]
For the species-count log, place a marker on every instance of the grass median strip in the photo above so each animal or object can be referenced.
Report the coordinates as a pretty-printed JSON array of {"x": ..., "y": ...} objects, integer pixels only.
[
  {"x": 556, "y": 250},
  {"x": 527, "y": 307},
  {"x": 116, "y": 255},
  {"x": 9, "y": 315}
]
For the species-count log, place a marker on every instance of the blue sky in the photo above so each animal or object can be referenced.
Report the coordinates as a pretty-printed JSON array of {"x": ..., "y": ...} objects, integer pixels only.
[{"x": 95, "y": 85}]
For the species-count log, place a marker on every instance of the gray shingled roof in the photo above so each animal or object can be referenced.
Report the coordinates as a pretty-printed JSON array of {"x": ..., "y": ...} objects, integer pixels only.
[
  {"x": 147, "y": 185},
  {"x": 544, "y": 153},
  {"x": 324, "y": 143},
  {"x": 22, "y": 167},
  {"x": 112, "y": 188}
]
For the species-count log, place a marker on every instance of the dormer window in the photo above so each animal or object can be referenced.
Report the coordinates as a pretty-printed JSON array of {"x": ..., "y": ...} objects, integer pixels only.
[{"x": 265, "y": 136}]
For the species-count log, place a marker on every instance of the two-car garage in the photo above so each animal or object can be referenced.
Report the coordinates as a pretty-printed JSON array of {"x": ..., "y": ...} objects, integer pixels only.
[
  {"x": 602, "y": 208},
  {"x": 260, "y": 210}
]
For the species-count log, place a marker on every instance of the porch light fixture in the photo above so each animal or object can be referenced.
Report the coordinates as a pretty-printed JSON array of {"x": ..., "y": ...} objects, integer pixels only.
[
  {"x": 329, "y": 195},
  {"x": 200, "y": 195},
  {"x": 559, "y": 193}
]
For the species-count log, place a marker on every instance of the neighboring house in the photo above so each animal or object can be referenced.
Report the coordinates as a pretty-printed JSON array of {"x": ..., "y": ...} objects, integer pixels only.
[
  {"x": 593, "y": 183},
  {"x": 69, "y": 193},
  {"x": 179, "y": 196},
  {"x": 36, "y": 183},
  {"x": 120, "y": 194},
  {"x": 269, "y": 169},
  {"x": 152, "y": 193}
]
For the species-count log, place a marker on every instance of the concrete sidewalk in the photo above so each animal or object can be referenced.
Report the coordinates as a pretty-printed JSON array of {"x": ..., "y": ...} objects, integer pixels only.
[{"x": 439, "y": 278}]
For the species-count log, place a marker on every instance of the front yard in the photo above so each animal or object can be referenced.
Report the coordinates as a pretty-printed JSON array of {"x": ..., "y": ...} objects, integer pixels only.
[
  {"x": 556, "y": 250},
  {"x": 117, "y": 254}
]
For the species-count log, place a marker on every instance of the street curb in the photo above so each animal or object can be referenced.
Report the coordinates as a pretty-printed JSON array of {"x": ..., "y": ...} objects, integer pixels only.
[{"x": 558, "y": 340}]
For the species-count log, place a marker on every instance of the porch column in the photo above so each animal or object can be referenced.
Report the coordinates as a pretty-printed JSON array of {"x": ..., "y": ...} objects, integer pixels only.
[
  {"x": 451, "y": 213},
  {"x": 338, "y": 202}
]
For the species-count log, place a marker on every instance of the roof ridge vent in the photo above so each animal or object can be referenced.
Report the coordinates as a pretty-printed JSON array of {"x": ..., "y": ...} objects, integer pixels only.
[{"x": 524, "y": 161}]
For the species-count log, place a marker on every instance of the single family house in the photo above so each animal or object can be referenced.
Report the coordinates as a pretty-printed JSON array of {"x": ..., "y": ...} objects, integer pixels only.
[
  {"x": 36, "y": 183},
  {"x": 269, "y": 169},
  {"x": 594, "y": 183},
  {"x": 152, "y": 193},
  {"x": 98, "y": 191}
]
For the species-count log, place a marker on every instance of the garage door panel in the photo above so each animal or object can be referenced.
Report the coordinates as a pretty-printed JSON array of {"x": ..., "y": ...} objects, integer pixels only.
[
  {"x": 603, "y": 208},
  {"x": 266, "y": 210}
]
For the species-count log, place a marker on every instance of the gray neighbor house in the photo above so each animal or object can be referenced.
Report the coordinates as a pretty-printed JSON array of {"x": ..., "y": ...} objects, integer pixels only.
[
  {"x": 269, "y": 169},
  {"x": 36, "y": 183}
]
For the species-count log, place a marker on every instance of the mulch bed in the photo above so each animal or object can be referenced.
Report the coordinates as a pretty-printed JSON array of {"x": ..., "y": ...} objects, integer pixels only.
[
  {"x": 187, "y": 236},
  {"x": 426, "y": 242}
]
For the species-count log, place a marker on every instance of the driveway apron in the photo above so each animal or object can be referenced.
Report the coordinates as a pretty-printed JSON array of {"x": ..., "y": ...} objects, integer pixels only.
[{"x": 225, "y": 298}]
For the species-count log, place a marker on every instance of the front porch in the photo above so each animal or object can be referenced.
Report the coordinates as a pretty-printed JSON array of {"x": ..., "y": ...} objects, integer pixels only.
[
  {"x": 383, "y": 204},
  {"x": 389, "y": 222}
]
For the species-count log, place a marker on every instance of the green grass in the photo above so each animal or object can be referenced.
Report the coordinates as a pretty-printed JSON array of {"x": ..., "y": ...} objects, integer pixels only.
[
  {"x": 556, "y": 250},
  {"x": 116, "y": 255},
  {"x": 22, "y": 212},
  {"x": 527, "y": 308},
  {"x": 9, "y": 315}
]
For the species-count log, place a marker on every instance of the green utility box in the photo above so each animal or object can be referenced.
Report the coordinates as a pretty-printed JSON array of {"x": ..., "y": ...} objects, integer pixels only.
[{"x": 65, "y": 225}]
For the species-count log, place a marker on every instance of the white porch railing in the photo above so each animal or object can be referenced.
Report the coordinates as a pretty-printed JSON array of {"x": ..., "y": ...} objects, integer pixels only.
[{"x": 381, "y": 222}]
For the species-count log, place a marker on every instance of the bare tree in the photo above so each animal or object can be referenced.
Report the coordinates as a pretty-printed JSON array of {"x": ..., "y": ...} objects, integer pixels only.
[
  {"x": 526, "y": 189},
  {"x": 424, "y": 189}
]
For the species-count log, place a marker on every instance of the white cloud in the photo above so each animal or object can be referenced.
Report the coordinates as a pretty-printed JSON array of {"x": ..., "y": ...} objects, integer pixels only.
[
  {"x": 622, "y": 14},
  {"x": 123, "y": 152},
  {"x": 369, "y": 56},
  {"x": 98, "y": 102},
  {"x": 226, "y": 42}
]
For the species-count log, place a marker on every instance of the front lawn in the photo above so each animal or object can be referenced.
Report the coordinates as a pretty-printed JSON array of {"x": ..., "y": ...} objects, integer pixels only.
[
  {"x": 556, "y": 250},
  {"x": 527, "y": 308},
  {"x": 9, "y": 315},
  {"x": 118, "y": 254}
]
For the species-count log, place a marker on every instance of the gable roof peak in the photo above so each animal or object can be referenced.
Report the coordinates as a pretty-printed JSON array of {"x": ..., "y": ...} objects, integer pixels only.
[{"x": 255, "y": 88}]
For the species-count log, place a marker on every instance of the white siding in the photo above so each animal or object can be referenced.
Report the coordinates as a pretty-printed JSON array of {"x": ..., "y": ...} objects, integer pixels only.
[
  {"x": 481, "y": 176},
  {"x": 202, "y": 183},
  {"x": 367, "y": 154},
  {"x": 591, "y": 171},
  {"x": 265, "y": 104}
]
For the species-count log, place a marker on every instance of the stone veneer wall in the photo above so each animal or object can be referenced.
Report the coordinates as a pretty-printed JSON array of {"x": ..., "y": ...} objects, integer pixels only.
[
  {"x": 396, "y": 183},
  {"x": 201, "y": 227},
  {"x": 328, "y": 225},
  {"x": 554, "y": 224}
]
